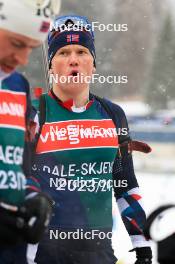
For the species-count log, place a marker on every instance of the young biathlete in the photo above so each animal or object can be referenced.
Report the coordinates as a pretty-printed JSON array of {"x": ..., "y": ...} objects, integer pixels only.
[
  {"x": 23, "y": 27},
  {"x": 80, "y": 158}
]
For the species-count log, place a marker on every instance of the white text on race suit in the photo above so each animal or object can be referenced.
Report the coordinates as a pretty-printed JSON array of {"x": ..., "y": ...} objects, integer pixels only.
[
  {"x": 12, "y": 180},
  {"x": 11, "y": 155},
  {"x": 84, "y": 169}
]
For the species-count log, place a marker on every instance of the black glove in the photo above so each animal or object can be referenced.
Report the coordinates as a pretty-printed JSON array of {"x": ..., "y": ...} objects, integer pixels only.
[
  {"x": 143, "y": 255},
  {"x": 36, "y": 212},
  {"x": 10, "y": 226},
  {"x": 26, "y": 223}
]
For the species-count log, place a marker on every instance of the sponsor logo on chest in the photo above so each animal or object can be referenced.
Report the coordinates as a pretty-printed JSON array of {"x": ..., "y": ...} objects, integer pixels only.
[
  {"x": 77, "y": 134},
  {"x": 12, "y": 109}
]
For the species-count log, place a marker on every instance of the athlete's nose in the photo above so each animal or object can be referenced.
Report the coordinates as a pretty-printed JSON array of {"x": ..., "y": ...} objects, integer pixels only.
[{"x": 73, "y": 59}]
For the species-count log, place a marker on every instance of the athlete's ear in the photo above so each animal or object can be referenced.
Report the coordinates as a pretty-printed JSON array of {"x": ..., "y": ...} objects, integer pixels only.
[
  {"x": 94, "y": 70},
  {"x": 51, "y": 71}
]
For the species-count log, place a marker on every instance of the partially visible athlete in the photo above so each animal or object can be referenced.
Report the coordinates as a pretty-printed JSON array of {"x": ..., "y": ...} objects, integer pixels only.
[{"x": 23, "y": 26}]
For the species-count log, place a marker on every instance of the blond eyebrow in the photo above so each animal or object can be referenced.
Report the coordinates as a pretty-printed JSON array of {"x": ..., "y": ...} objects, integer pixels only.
[
  {"x": 77, "y": 48},
  {"x": 64, "y": 48}
]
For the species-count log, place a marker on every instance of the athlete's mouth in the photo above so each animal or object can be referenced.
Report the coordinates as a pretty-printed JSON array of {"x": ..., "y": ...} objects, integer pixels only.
[{"x": 74, "y": 73}]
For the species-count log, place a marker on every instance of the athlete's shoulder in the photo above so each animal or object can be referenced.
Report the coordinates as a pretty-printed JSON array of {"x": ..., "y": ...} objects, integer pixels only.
[
  {"x": 115, "y": 108},
  {"x": 17, "y": 82}
]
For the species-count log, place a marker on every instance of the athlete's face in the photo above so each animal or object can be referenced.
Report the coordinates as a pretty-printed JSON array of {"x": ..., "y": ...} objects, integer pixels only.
[
  {"x": 14, "y": 50},
  {"x": 72, "y": 62}
]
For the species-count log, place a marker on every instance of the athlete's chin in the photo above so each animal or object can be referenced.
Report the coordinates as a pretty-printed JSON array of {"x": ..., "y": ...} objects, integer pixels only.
[
  {"x": 73, "y": 88},
  {"x": 7, "y": 69}
]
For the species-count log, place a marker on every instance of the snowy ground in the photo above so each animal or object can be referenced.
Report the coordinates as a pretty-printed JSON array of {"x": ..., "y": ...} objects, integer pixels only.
[{"x": 157, "y": 189}]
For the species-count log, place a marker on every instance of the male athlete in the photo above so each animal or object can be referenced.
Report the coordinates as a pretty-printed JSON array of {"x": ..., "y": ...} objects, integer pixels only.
[
  {"x": 23, "y": 26},
  {"x": 83, "y": 152}
]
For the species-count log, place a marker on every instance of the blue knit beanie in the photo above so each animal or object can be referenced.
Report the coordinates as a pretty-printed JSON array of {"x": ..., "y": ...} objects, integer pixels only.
[{"x": 58, "y": 39}]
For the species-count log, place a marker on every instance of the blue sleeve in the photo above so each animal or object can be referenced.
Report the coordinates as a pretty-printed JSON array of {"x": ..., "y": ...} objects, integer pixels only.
[{"x": 128, "y": 197}]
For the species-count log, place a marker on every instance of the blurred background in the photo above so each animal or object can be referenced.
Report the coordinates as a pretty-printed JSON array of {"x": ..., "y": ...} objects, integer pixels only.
[{"x": 145, "y": 53}]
